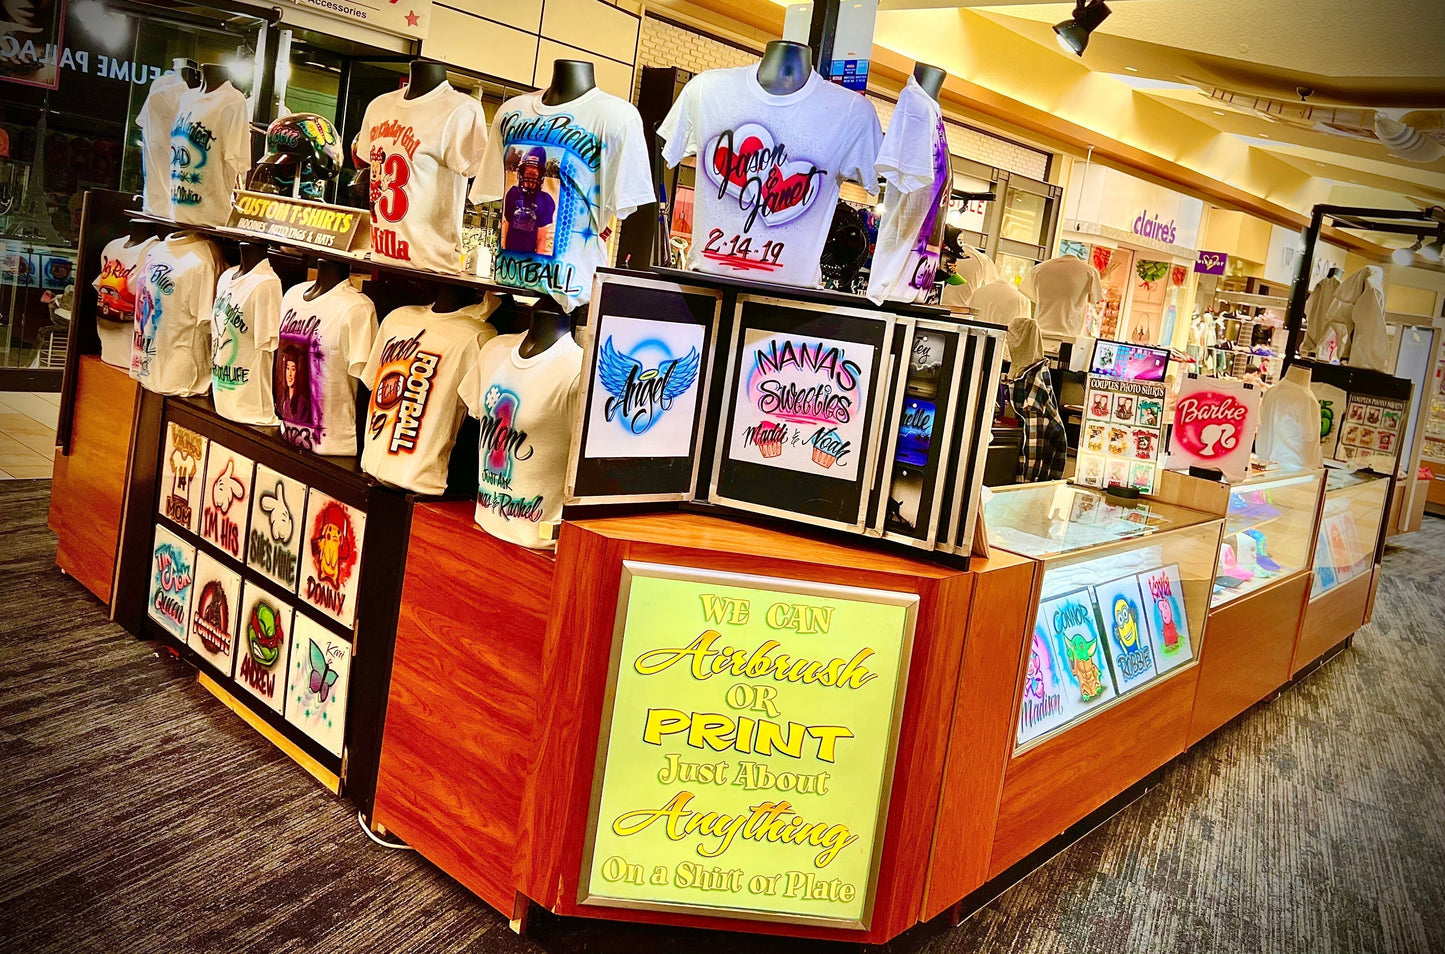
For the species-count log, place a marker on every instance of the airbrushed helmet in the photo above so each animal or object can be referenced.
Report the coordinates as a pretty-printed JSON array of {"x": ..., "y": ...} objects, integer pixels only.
[{"x": 303, "y": 153}]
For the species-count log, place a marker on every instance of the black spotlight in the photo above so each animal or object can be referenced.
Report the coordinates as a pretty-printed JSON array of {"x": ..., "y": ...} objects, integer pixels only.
[{"x": 1074, "y": 33}]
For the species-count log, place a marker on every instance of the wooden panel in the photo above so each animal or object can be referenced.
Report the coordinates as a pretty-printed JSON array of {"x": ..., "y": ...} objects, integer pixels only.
[
  {"x": 1210, "y": 496},
  {"x": 465, "y": 690},
  {"x": 590, "y": 25},
  {"x": 981, "y": 735},
  {"x": 1329, "y": 619},
  {"x": 1248, "y": 646},
  {"x": 1059, "y": 782},
  {"x": 458, "y": 38},
  {"x": 89, "y": 484}
]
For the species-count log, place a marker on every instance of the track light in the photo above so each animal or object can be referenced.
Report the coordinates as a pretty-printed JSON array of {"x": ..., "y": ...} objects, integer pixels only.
[
  {"x": 1406, "y": 256},
  {"x": 1074, "y": 32},
  {"x": 1433, "y": 251}
]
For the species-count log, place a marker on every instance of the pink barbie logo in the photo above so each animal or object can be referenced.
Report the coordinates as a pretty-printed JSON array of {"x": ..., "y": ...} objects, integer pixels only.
[{"x": 1209, "y": 424}]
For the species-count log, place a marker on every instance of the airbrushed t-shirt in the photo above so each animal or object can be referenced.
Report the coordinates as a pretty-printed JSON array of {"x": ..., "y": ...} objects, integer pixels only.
[
  {"x": 914, "y": 162},
  {"x": 423, "y": 379},
  {"x": 421, "y": 152},
  {"x": 115, "y": 289},
  {"x": 322, "y": 349},
  {"x": 156, "y": 120},
  {"x": 171, "y": 343},
  {"x": 1063, "y": 288},
  {"x": 562, "y": 172},
  {"x": 769, "y": 168},
  {"x": 244, "y": 324},
  {"x": 527, "y": 410},
  {"x": 210, "y": 152}
]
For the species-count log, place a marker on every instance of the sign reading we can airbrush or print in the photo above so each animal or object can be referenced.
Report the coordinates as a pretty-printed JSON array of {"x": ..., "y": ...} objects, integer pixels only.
[
  {"x": 802, "y": 403},
  {"x": 748, "y": 745},
  {"x": 1214, "y": 425}
]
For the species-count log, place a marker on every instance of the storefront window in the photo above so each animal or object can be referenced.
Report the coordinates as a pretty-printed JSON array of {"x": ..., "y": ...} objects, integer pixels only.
[{"x": 1025, "y": 217}]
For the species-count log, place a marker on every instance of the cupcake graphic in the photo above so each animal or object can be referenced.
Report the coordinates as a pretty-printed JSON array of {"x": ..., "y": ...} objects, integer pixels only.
[
  {"x": 769, "y": 438},
  {"x": 827, "y": 448}
]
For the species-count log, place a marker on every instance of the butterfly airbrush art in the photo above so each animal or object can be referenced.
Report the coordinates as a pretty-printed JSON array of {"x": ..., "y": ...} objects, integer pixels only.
[
  {"x": 323, "y": 677},
  {"x": 641, "y": 395}
]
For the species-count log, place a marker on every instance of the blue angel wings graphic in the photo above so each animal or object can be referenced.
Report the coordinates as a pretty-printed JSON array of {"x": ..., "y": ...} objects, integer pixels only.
[{"x": 640, "y": 395}]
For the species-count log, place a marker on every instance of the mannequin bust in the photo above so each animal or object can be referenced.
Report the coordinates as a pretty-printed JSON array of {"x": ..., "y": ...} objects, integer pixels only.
[
  {"x": 452, "y": 298},
  {"x": 188, "y": 70},
  {"x": 329, "y": 274},
  {"x": 570, "y": 80},
  {"x": 138, "y": 233},
  {"x": 1297, "y": 374},
  {"x": 425, "y": 77},
  {"x": 251, "y": 256},
  {"x": 549, "y": 325},
  {"x": 930, "y": 78},
  {"x": 213, "y": 76},
  {"x": 785, "y": 67}
]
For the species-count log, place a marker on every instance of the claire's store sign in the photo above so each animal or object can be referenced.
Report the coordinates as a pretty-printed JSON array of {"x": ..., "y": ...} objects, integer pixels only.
[
  {"x": 1211, "y": 263},
  {"x": 1214, "y": 425},
  {"x": 1152, "y": 227}
]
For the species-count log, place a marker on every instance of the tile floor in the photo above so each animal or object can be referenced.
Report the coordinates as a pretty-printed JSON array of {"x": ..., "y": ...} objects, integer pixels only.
[{"x": 27, "y": 434}]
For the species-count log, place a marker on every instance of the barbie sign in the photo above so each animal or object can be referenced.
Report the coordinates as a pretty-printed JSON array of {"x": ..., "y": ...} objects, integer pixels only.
[{"x": 1214, "y": 425}]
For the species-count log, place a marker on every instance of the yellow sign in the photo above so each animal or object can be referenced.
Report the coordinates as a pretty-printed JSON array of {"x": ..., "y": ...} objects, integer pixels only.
[
  {"x": 300, "y": 221},
  {"x": 747, "y": 758}
]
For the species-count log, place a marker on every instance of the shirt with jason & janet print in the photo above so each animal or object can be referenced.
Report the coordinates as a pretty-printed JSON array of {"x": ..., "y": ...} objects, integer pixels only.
[{"x": 322, "y": 348}]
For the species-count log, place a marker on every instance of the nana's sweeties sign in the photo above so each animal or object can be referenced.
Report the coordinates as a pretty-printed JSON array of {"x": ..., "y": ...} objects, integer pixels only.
[
  {"x": 749, "y": 746},
  {"x": 1214, "y": 425}
]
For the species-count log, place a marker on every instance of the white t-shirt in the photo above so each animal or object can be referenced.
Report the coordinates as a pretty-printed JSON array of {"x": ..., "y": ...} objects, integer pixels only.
[
  {"x": 976, "y": 269},
  {"x": 210, "y": 151},
  {"x": 527, "y": 409},
  {"x": 115, "y": 289},
  {"x": 769, "y": 168},
  {"x": 171, "y": 344},
  {"x": 322, "y": 349},
  {"x": 999, "y": 303},
  {"x": 562, "y": 172},
  {"x": 423, "y": 378},
  {"x": 244, "y": 324},
  {"x": 156, "y": 120},
  {"x": 421, "y": 153},
  {"x": 1063, "y": 288},
  {"x": 914, "y": 162}
]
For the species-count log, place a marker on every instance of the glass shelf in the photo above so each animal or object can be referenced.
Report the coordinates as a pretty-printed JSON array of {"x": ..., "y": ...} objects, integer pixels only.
[
  {"x": 1267, "y": 532},
  {"x": 1056, "y": 519},
  {"x": 1349, "y": 527}
]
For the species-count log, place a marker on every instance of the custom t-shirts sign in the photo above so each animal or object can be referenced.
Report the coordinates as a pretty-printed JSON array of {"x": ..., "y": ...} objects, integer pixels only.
[
  {"x": 1168, "y": 626},
  {"x": 645, "y": 388},
  {"x": 802, "y": 403},
  {"x": 422, "y": 374},
  {"x": 171, "y": 344},
  {"x": 331, "y": 556},
  {"x": 172, "y": 578},
  {"x": 1130, "y": 650},
  {"x": 226, "y": 499},
  {"x": 216, "y": 613},
  {"x": 562, "y": 172},
  {"x": 210, "y": 151},
  {"x": 319, "y": 683},
  {"x": 420, "y": 153},
  {"x": 273, "y": 545},
  {"x": 264, "y": 644},
  {"x": 183, "y": 461},
  {"x": 244, "y": 322},
  {"x": 321, "y": 350},
  {"x": 115, "y": 289},
  {"x": 769, "y": 168}
]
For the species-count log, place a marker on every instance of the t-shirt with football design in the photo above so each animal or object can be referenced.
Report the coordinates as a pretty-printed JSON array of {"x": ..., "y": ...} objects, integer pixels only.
[
  {"x": 527, "y": 410},
  {"x": 156, "y": 120},
  {"x": 171, "y": 342},
  {"x": 422, "y": 376},
  {"x": 421, "y": 152},
  {"x": 210, "y": 152},
  {"x": 321, "y": 350},
  {"x": 115, "y": 288},
  {"x": 244, "y": 323},
  {"x": 769, "y": 168},
  {"x": 914, "y": 162},
  {"x": 562, "y": 172}
]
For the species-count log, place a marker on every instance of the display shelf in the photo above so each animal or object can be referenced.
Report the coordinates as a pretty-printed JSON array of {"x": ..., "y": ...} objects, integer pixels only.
[
  {"x": 1267, "y": 534},
  {"x": 1260, "y": 301},
  {"x": 1349, "y": 528},
  {"x": 1056, "y": 519}
]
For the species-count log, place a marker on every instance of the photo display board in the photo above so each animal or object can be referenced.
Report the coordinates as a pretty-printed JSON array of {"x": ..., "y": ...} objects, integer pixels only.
[
  {"x": 794, "y": 775},
  {"x": 801, "y": 410},
  {"x": 646, "y": 372},
  {"x": 1372, "y": 432},
  {"x": 1122, "y": 434}
]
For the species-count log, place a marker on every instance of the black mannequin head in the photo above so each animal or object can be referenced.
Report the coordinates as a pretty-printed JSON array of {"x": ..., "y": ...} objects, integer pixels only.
[
  {"x": 452, "y": 297},
  {"x": 425, "y": 77},
  {"x": 549, "y": 324},
  {"x": 570, "y": 80},
  {"x": 785, "y": 67},
  {"x": 329, "y": 274},
  {"x": 139, "y": 231},
  {"x": 251, "y": 256},
  {"x": 929, "y": 77},
  {"x": 189, "y": 70},
  {"x": 213, "y": 76}
]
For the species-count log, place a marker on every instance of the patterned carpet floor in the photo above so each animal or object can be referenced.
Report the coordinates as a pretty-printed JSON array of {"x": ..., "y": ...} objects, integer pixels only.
[{"x": 137, "y": 814}]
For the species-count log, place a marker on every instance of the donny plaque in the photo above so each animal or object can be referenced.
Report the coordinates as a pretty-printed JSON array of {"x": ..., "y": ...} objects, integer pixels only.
[{"x": 747, "y": 756}]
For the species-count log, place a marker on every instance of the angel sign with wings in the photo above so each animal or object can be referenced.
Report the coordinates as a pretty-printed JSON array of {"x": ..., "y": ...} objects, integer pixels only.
[{"x": 639, "y": 396}]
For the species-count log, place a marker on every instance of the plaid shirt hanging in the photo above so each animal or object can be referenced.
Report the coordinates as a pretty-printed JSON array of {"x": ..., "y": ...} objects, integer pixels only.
[{"x": 1044, "y": 448}]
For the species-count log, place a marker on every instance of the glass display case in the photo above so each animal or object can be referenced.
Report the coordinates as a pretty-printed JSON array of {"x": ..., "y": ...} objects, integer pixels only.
[
  {"x": 1125, "y": 591},
  {"x": 1349, "y": 527},
  {"x": 1267, "y": 532}
]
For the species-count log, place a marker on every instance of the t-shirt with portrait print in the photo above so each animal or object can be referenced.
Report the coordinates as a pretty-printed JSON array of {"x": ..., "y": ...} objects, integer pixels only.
[
  {"x": 528, "y": 407},
  {"x": 244, "y": 323},
  {"x": 210, "y": 152},
  {"x": 562, "y": 172},
  {"x": 420, "y": 153},
  {"x": 321, "y": 350},
  {"x": 115, "y": 289},
  {"x": 423, "y": 379},
  {"x": 769, "y": 168}
]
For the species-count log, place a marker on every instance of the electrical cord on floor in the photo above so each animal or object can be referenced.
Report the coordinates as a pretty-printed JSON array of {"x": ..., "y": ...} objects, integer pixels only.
[{"x": 372, "y": 835}]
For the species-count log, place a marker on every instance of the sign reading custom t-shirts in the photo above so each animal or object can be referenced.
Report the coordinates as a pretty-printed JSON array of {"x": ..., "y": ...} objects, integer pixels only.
[
  {"x": 331, "y": 560},
  {"x": 319, "y": 682},
  {"x": 1046, "y": 701},
  {"x": 755, "y": 787},
  {"x": 645, "y": 388},
  {"x": 226, "y": 499},
  {"x": 263, "y": 645},
  {"x": 216, "y": 612},
  {"x": 273, "y": 546},
  {"x": 1214, "y": 424},
  {"x": 802, "y": 403},
  {"x": 172, "y": 579},
  {"x": 1124, "y": 620},
  {"x": 182, "y": 465},
  {"x": 1070, "y": 625},
  {"x": 769, "y": 169},
  {"x": 1163, "y": 595},
  {"x": 323, "y": 347}
]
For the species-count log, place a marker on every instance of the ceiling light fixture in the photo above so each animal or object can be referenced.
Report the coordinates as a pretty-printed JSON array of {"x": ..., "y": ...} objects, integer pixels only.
[
  {"x": 1435, "y": 250},
  {"x": 1132, "y": 69},
  {"x": 1406, "y": 256},
  {"x": 1073, "y": 33}
]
